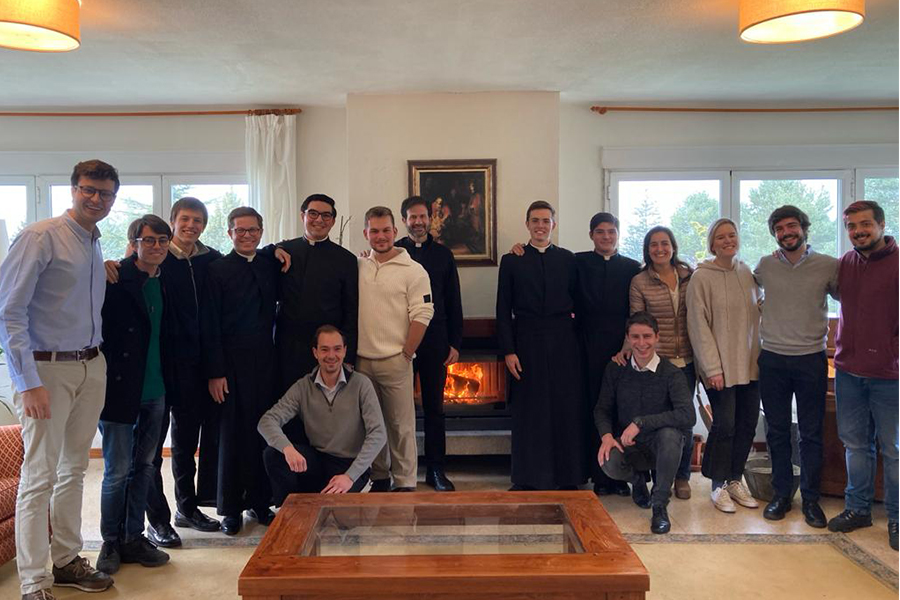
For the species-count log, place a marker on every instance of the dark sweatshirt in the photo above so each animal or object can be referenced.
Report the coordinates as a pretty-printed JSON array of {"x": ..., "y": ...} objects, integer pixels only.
[{"x": 866, "y": 340}]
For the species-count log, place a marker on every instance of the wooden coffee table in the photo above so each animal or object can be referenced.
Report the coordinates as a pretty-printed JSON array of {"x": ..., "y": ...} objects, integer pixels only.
[{"x": 498, "y": 545}]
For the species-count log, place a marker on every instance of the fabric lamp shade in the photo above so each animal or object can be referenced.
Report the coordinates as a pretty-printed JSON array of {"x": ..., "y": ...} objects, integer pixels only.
[
  {"x": 783, "y": 21},
  {"x": 40, "y": 25}
]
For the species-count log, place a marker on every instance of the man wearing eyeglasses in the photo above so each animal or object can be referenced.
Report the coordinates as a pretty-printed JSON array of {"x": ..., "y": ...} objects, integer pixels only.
[
  {"x": 51, "y": 294},
  {"x": 321, "y": 288},
  {"x": 136, "y": 331},
  {"x": 237, "y": 318}
]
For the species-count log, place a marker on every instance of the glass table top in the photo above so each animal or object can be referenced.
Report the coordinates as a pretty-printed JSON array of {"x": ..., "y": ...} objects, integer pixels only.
[{"x": 438, "y": 530}]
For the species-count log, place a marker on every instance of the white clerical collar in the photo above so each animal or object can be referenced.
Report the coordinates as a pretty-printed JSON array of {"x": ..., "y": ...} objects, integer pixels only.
[
  {"x": 540, "y": 249},
  {"x": 651, "y": 366},
  {"x": 313, "y": 242},
  {"x": 248, "y": 257}
]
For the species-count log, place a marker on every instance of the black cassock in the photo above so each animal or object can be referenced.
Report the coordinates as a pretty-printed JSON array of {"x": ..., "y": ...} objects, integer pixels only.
[
  {"x": 535, "y": 302},
  {"x": 238, "y": 319},
  {"x": 601, "y": 308},
  {"x": 321, "y": 287}
]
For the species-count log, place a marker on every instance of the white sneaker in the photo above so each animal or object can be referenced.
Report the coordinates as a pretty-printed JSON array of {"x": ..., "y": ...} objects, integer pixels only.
[
  {"x": 722, "y": 500},
  {"x": 740, "y": 494}
]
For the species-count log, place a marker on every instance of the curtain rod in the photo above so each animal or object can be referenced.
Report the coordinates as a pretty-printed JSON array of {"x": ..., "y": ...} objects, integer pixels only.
[
  {"x": 604, "y": 109},
  {"x": 177, "y": 113}
]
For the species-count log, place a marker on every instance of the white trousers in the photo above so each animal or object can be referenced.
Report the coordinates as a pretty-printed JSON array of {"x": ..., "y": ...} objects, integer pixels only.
[{"x": 56, "y": 457}]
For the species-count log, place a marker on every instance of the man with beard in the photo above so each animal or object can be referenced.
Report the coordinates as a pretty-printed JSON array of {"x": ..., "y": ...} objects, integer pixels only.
[
  {"x": 321, "y": 288},
  {"x": 865, "y": 361},
  {"x": 792, "y": 362},
  {"x": 237, "y": 319},
  {"x": 440, "y": 346},
  {"x": 536, "y": 334}
]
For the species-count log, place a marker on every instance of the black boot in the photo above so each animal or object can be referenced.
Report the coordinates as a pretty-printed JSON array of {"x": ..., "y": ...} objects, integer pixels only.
[
  {"x": 639, "y": 492},
  {"x": 436, "y": 478},
  {"x": 659, "y": 522}
]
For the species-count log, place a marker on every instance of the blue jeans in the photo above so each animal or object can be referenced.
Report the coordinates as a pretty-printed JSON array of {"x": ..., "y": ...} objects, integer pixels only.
[
  {"x": 128, "y": 452},
  {"x": 684, "y": 467},
  {"x": 866, "y": 410}
]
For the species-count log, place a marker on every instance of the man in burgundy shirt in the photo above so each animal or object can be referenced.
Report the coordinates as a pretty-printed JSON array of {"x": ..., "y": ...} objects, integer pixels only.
[{"x": 865, "y": 361}]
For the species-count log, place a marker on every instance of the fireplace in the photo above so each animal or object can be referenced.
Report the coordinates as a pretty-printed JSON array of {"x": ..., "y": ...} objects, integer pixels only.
[{"x": 475, "y": 388}]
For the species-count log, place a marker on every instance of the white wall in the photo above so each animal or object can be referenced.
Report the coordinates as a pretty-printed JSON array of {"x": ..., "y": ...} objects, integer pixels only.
[
  {"x": 584, "y": 134},
  {"x": 520, "y": 130}
]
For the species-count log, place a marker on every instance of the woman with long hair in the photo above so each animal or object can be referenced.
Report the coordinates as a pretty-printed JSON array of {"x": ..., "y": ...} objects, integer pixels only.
[
  {"x": 660, "y": 289},
  {"x": 723, "y": 325}
]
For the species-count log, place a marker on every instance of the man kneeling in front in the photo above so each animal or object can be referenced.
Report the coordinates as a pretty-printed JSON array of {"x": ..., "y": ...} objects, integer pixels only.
[
  {"x": 653, "y": 405},
  {"x": 342, "y": 420}
]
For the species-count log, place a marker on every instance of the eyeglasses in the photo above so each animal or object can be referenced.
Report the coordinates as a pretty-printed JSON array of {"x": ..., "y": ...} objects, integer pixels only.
[
  {"x": 88, "y": 192},
  {"x": 314, "y": 214},
  {"x": 149, "y": 242},
  {"x": 240, "y": 231}
]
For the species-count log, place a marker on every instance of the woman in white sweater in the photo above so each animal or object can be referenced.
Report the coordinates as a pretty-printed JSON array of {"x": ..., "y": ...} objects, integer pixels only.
[{"x": 723, "y": 326}]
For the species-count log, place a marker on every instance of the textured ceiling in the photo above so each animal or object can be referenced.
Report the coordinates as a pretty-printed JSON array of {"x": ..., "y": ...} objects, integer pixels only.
[{"x": 307, "y": 52}]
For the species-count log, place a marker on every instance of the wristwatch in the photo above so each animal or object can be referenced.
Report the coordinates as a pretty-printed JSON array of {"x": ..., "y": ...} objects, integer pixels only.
[{"x": 639, "y": 422}]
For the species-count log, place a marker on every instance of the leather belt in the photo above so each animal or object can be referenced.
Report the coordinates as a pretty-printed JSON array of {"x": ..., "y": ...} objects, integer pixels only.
[{"x": 79, "y": 355}]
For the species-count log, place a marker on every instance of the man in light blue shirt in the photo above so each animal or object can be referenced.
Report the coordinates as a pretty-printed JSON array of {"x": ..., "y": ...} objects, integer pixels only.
[{"x": 52, "y": 286}]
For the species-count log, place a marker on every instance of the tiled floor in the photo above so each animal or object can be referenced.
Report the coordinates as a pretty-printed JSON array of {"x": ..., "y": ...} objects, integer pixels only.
[{"x": 694, "y": 516}]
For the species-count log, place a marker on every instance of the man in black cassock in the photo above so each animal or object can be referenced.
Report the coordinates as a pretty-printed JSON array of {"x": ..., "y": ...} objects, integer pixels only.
[
  {"x": 536, "y": 333},
  {"x": 602, "y": 308},
  {"x": 440, "y": 346},
  {"x": 321, "y": 288},
  {"x": 238, "y": 319}
]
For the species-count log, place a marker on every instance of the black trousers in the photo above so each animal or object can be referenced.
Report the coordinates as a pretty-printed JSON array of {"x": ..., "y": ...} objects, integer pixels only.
[
  {"x": 193, "y": 428},
  {"x": 429, "y": 365},
  {"x": 320, "y": 468},
  {"x": 805, "y": 378},
  {"x": 659, "y": 450},
  {"x": 735, "y": 413},
  {"x": 158, "y": 511}
]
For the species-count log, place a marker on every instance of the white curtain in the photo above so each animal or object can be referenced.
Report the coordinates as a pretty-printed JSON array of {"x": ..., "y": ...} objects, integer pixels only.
[{"x": 271, "y": 149}]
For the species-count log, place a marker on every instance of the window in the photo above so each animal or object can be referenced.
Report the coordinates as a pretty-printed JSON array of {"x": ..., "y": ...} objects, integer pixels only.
[
  {"x": 686, "y": 205},
  {"x": 220, "y": 199},
  {"x": 15, "y": 198},
  {"x": 132, "y": 202},
  {"x": 817, "y": 194},
  {"x": 884, "y": 188}
]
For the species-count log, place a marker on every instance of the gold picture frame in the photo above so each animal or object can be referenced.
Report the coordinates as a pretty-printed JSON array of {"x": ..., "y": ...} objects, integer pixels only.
[{"x": 462, "y": 199}]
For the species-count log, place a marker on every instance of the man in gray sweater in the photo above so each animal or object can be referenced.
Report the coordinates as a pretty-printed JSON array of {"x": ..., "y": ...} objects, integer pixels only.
[
  {"x": 342, "y": 420},
  {"x": 792, "y": 362},
  {"x": 641, "y": 413}
]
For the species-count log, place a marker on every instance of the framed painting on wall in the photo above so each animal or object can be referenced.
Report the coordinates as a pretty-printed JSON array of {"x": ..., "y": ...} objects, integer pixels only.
[{"x": 462, "y": 199}]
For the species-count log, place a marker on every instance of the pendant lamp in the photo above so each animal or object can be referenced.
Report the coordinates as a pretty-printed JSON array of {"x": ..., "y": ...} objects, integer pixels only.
[
  {"x": 40, "y": 25},
  {"x": 784, "y": 21}
]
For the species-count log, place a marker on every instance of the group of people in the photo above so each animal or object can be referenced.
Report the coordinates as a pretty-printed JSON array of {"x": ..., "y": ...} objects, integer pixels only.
[
  {"x": 291, "y": 367},
  {"x": 638, "y": 337}
]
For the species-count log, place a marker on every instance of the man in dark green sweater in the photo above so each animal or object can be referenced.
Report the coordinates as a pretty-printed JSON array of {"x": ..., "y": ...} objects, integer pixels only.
[{"x": 642, "y": 410}]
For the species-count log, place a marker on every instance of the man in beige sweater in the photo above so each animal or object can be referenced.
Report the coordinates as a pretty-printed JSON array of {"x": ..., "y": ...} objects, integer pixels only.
[{"x": 395, "y": 307}]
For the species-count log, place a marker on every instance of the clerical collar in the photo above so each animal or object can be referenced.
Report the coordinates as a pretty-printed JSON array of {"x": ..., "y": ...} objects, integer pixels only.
[
  {"x": 650, "y": 366},
  {"x": 249, "y": 258},
  {"x": 313, "y": 242},
  {"x": 540, "y": 248}
]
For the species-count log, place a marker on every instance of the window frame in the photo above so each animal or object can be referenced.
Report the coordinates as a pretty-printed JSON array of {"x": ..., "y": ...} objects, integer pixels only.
[
  {"x": 845, "y": 188},
  {"x": 31, "y": 196}
]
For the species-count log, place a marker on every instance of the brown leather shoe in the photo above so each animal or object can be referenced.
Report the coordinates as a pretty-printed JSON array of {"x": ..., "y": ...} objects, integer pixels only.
[
  {"x": 43, "y": 594},
  {"x": 80, "y": 575},
  {"x": 682, "y": 489}
]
